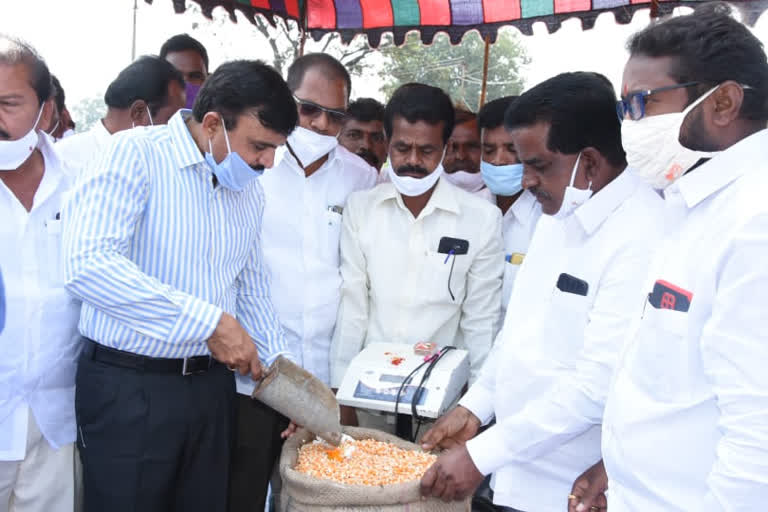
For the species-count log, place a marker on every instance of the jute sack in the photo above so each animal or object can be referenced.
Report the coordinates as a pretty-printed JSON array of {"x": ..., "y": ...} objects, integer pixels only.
[{"x": 303, "y": 493}]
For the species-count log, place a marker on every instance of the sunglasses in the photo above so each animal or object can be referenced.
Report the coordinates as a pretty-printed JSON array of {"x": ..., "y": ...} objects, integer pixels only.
[
  {"x": 310, "y": 109},
  {"x": 633, "y": 106}
]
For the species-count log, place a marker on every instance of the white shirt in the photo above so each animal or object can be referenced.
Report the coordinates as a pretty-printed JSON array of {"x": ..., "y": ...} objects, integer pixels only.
[
  {"x": 300, "y": 239},
  {"x": 79, "y": 149},
  {"x": 517, "y": 227},
  {"x": 686, "y": 425},
  {"x": 547, "y": 380},
  {"x": 485, "y": 193},
  {"x": 396, "y": 283},
  {"x": 40, "y": 343}
]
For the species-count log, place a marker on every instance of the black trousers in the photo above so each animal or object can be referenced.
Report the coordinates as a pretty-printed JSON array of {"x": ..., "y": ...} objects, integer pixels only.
[
  {"x": 153, "y": 442},
  {"x": 256, "y": 450}
]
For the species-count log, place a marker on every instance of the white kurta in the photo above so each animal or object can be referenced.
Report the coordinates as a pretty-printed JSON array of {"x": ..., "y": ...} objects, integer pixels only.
[
  {"x": 686, "y": 424},
  {"x": 300, "y": 240},
  {"x": 40, "y": 343},
  {"x": 547, "y": 380},
  {"x": 396, "y": 284}
]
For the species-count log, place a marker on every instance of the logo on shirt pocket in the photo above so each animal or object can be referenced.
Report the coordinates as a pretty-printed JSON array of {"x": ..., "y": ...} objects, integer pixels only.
[{"x": 669, "y": 296}]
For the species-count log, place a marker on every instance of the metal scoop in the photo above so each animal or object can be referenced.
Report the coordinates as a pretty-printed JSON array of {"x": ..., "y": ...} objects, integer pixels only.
[{"x": 294, "y": 392}]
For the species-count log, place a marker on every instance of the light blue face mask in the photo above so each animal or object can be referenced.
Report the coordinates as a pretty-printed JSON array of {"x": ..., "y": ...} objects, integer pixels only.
[
  {"x": 232, "y": 172},
  {"x": 503, "y": 180}
]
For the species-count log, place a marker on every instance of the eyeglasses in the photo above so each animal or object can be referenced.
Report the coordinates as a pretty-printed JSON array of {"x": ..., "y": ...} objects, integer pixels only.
[
  {"x": 634, "y": 105},
  {"x": 310, "y": 109}
]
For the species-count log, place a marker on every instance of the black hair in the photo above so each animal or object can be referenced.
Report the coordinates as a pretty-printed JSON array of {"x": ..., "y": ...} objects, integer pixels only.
[
  {"x": 58, "y": 92},
  {"x": 15, "y": 51},
  {"x": 182, "y": 43},
  {"x": 710, "y": 47},
  {"x": 420, "y": 102},
  {"x": 491, "y": 115},
  {"x": 240, "y": 85},
  {"x": 329, "y": 66},
  {"x": 147, "y": 78},
  {"x": 366, "y": 110},
  {"x": 580, "y": 109},
  {"x": 463, "y": 115}
]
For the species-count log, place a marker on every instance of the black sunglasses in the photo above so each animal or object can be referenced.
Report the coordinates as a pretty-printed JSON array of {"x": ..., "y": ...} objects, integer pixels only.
[
  {"x": 310, "y": 109},
  {"x": 633, "y": 106}
]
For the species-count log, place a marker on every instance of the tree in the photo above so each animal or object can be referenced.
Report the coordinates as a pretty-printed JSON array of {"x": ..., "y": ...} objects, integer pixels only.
[
  {"x": 87, "y": 112},
  {"x": 458, "y": 70},
  {"x": 284, "y": 39}
]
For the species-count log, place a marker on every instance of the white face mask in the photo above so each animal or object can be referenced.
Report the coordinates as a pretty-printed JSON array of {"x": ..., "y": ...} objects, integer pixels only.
[
  {"x": 470, "y": 181},
  {"x": 13, "y": 153},
  {"x": 309, "y": 147},
  {"x": 653, "y": 146},
  {"x": 149, "y": 114},
  {"x": 413, "y": 187},
  {"x": 53, "y": 130},
  {"x": 573, "y": 197}
]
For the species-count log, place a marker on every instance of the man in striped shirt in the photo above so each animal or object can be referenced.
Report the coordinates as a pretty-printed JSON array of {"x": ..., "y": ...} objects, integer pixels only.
[{"x": 162, "y": 244}]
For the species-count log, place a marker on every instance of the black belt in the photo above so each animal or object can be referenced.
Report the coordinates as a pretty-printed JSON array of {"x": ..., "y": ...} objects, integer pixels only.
[{"x": 188, "y": 366}]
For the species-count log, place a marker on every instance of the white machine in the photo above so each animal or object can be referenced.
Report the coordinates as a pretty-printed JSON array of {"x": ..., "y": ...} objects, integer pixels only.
[{"x": 376, "y": 375}]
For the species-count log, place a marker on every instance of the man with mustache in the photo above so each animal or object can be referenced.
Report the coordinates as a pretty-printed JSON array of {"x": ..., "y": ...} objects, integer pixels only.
[
  {"x": 397, "y": 286},
  {"x": 163, "y": 245},
  {"x": 306, "y": 195},
  {"x": 570, "y": 310},
  {"x": 363, "y": 131},
  {"x": 463, "y": 155},
  {"x": 40, "y": 343}
]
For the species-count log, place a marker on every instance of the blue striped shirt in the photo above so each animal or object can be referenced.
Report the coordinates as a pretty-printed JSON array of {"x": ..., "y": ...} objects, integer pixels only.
[{"x": 156, "y": 253}]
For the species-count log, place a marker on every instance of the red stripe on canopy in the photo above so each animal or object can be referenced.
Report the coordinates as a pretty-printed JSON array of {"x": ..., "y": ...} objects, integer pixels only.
[
  {"x": 292, "y": 8},
  {"x": 377, "y": 13},
  {"x": 501, "y": 11},
  {"x": 572, "y": 5},
  {"x": 435, "y": 12},
  {"x": 321, "y": 14}
]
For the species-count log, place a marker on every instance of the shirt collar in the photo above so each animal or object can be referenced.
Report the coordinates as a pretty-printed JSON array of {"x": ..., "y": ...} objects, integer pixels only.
[
  {"x": 601, "y": 205},
  {"x": 522, "y": 209},
  {"x": 100, "y": 131},
  {"x": 56, "y": 173},
  {"x": 443, "y": 197},
  {"x": 722, "y": 169},
  {"x": 285, "y": 157},
  {"x": 184, "y": 146}
]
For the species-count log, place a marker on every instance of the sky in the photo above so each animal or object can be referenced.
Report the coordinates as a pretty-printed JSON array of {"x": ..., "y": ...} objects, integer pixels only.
[{"x": 87, "y": 42}]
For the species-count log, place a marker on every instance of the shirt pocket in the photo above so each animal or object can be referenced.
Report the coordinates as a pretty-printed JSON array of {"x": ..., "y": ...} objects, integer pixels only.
[
  {"x": 664, "y": 354},
  {"x": 333, "y": 236},
  {"x": 436, "y": 272},
  {"x": 568, "y": 318}
]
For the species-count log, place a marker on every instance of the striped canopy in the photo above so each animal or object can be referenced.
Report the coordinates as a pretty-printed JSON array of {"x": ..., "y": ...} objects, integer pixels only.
[{"x": 454, "y": 17}]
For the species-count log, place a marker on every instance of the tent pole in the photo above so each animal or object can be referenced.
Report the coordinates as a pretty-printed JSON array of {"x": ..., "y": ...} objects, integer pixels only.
[
  {"x": 484, "y": 87},
  {"x": 304, "y": 25},
  {"x": 654, "y": 9},
  {"x": 133, "y": 44}
]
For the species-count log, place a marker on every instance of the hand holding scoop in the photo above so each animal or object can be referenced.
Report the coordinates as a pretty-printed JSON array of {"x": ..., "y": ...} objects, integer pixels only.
[{"x": 297, "y": 394}]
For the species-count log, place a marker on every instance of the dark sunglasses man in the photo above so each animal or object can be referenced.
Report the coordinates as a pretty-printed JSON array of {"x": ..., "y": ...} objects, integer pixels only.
[{"x": 306, "y": 193}]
